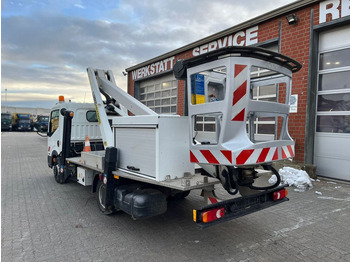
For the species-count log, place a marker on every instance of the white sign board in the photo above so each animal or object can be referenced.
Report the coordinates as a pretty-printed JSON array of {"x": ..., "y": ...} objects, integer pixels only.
[
  {"x": 293, "y": 103},
  {"x": 334, "y": 8}
]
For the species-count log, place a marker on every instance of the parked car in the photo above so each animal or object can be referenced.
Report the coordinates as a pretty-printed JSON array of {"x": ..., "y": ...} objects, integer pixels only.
[
  {"x": 40, "y": 123},
  {"x": 6, "y": 124}
]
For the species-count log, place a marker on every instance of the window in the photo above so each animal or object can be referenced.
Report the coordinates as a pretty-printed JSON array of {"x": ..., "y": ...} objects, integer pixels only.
[
  {"x": 91, "y": 116},
  {"x": 54, "y": 121},
  {"x": 333, "y": 97},
  {"x": 335, "y": 59},
  {"x": 264, "y": 127},
  {"x": 5, "y": 117},
  {"x": 207, "y": 128},
  {"x": 208, "y": 86},
  {"x": 160, "y": 95}
]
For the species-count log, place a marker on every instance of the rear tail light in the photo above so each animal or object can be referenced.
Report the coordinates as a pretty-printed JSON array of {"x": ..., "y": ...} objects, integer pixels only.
[
  {"x": 280, "y": 194},
  {"x": 213, "y": 214}
]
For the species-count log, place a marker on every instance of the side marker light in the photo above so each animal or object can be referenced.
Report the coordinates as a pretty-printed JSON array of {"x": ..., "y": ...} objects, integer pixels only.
[{"x": 194, "y": 215}]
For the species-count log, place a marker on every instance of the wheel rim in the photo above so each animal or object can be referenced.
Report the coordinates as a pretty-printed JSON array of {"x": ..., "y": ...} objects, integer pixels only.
[{"x": 100, "y": 196}]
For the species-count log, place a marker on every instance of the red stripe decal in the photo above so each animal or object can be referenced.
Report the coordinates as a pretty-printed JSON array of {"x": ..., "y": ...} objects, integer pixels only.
[
  {"x": 275, "y": 155},
  {"x": 227, "y": 154},
  {"x": 193, "y": 159},
  {"x": 283, "y": 154},
  {"x": 238, "y": 69},
  {"x": 209, "y": 157},
  {"x": 239, "y": 116},
  {"x": 290, "y": 149},
  {"x": 263, "y": 155},
  {"x": 239, "y": 92},
  {"x": 243, "y": 156},
  {"x": 213, "y": 200}
]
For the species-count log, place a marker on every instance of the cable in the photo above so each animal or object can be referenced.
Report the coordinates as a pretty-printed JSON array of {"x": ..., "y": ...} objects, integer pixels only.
[{"x": 41, "y": 134}]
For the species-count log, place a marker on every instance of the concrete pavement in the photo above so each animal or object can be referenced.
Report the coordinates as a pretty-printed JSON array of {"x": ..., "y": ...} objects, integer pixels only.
[{"x": 45, "y": 221}]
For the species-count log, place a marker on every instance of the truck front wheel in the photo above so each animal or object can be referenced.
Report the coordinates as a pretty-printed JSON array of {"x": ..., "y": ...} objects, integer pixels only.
[
  {"x": 59, "y": 177},
  {"x": 101, "y": 192}
]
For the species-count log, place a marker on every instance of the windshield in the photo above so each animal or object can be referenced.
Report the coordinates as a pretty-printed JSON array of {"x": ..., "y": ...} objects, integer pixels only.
[
  {"x": 5, "y": 116},
  {"x": 23, "y": 116},
  {"x": 44, "y": 118}
]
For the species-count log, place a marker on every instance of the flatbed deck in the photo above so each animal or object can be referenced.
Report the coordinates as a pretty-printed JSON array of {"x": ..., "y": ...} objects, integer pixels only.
[{"x": 190, "y": 182}]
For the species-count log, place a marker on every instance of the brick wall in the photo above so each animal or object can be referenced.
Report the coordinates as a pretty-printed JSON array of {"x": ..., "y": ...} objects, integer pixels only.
[{"x": 294, "y": 43}]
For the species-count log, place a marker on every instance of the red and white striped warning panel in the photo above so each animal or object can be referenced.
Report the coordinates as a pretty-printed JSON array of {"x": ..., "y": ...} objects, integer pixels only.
[
  {"x": 244, "y": 157},
  {"x": 287, "y": 151},
  {"x": 216, "y": 157},
  {"x": 254, "y": 156},
  {"x": 239, "y": 93}
]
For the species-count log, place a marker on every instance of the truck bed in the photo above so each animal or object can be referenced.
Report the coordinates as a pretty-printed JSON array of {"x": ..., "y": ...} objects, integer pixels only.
[{"x": 189, "y": 182}]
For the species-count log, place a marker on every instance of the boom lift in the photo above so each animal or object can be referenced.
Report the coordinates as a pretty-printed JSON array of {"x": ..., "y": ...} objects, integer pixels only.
[{"x": 149, "y": 158}]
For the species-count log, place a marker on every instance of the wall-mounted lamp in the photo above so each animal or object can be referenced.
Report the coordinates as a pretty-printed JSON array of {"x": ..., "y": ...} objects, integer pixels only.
[
  {"x": 124, "y": 73},
  {"x": 292, "y": 19}
]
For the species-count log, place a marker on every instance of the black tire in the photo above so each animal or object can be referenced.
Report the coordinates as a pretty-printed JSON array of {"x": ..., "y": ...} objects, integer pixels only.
[
  {"x": 58, "y": 175},
  {"x": 55, "y": 172},
  {"x": 179, "y": 195},
  {"x": 185, "y": 193},
  {"x": 100, "y": 192}
]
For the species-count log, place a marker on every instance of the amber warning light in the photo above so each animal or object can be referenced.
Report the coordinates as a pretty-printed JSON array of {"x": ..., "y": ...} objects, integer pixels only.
[{"x": 61, "y": 99}]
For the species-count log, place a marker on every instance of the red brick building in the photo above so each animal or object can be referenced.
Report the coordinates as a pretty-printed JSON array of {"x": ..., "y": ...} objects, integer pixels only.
[{"x": 316, "y": 34}]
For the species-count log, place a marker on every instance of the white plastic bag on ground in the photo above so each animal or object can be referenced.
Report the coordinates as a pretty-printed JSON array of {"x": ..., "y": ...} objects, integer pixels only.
[{"x": 293, "y": 177}]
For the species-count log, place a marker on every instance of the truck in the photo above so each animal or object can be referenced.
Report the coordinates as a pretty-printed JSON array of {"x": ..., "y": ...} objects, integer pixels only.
[
  {"x": 6, "y": 123},
  {"x": 21, "y": 122},
  {"x": 40, "y": 123},
  {"x": 136, "y": 160}
]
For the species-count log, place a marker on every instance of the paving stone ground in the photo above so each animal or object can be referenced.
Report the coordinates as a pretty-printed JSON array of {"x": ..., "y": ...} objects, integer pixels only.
[{"x": 45, "y": 221}]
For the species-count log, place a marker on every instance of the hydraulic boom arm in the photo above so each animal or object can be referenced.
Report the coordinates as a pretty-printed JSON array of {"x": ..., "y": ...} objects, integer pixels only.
[{"x": 102, "y": 81}]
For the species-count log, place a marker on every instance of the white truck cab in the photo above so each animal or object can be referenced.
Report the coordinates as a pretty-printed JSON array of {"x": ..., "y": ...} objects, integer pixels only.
[{"x": 84, "y": 123}]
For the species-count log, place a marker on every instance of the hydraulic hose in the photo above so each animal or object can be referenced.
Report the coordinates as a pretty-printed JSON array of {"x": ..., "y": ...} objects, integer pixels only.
[
  {"x": 268, "y": 187},
  {"x": 231, "y": 181}
]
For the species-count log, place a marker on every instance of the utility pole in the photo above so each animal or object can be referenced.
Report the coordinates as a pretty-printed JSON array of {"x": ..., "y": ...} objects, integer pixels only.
[{"x": 6, "y": 100}]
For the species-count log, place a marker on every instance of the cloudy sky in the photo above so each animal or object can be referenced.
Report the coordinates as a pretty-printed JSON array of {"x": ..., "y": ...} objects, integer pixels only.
[{"x": 46, "y": 45}]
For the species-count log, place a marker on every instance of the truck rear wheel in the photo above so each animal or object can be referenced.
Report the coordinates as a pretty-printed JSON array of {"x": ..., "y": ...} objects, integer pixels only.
[{"x": 101, "y": 191}]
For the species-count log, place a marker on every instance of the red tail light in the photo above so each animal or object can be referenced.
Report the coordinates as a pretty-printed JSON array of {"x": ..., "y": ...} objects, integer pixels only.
[
  {"x": 280, "y": 194},
  {"x": 212, "y": 215}
]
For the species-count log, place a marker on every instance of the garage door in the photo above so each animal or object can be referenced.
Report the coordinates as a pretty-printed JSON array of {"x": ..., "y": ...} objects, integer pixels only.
[
  {"x": 332, "y": 138},
  {"x": 160, "y": 94}
]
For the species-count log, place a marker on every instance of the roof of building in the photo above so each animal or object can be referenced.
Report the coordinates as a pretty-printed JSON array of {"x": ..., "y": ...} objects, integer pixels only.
[{"x": 249, "y": 23}]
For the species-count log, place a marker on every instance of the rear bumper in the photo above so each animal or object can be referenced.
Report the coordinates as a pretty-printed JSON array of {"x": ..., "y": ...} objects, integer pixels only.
[{"x": 241, "y": 206}]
